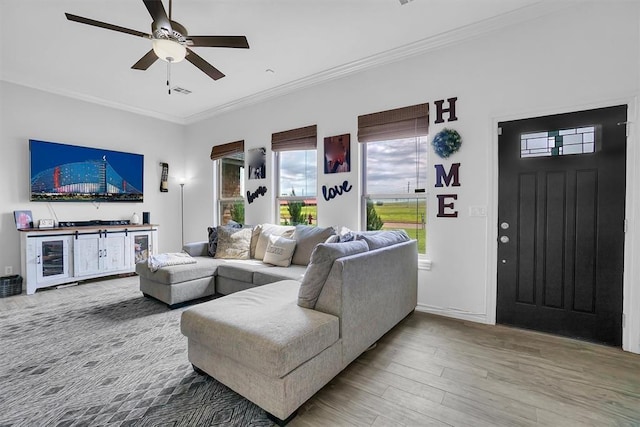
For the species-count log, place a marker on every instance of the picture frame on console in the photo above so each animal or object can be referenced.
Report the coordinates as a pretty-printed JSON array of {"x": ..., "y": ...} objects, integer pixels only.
[{"x": 24, "y": 219}]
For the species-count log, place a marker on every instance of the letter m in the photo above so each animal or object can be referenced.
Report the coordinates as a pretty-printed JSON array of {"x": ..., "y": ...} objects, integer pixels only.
[{"x": 453, "y": 175}]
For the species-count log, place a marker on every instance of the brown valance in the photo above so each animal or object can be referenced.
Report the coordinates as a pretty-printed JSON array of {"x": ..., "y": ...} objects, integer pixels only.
[
  {"x": 400, "y": 123},
  {"x": 305, "y": 138},
  {"x": 224, "y": 150}
]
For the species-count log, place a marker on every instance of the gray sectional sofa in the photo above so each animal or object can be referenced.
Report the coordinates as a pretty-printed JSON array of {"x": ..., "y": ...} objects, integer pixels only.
[{"x": 279, "y": 343}]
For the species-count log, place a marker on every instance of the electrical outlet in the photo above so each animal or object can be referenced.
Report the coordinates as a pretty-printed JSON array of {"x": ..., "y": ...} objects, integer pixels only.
[{"x": 8, "y": 270}]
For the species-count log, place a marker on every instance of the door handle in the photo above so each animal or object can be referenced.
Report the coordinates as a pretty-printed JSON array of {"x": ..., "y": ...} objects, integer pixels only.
[{"x": 504, "y": 239}]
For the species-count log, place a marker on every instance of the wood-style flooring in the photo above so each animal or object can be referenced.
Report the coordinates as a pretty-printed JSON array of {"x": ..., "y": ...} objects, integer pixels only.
[
  {"x": 436, "y": 371},
  {"x": 431, "y": 370}
]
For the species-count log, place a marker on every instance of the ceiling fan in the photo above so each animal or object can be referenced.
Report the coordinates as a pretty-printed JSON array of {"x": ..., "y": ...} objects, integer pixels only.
[{"x": 170, "y": 40}]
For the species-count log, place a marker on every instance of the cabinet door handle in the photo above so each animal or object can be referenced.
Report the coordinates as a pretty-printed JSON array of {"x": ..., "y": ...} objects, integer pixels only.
[
  {"x": 100, "y": 253},
  {"x": 38, "y": 259},
  {"x": 104, "y": 253}
]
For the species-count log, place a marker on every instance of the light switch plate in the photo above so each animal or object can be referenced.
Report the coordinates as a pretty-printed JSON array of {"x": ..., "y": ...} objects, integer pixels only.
[
  {"x": 45, "y": 223},
  {"x": 478, "y": 211}
]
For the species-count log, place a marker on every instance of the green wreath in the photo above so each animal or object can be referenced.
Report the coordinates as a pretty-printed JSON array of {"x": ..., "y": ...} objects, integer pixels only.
[{"x": 446, "y": 142}]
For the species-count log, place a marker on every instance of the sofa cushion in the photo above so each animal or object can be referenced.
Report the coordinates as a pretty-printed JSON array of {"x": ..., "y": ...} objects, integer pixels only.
[
  {"x": 233, "y": 243},
  {"x": 204, "y": 267},
  {"x": 279, "y": 251},
  {"x": 320, "y": 265},
  {"x": 262, "y": 328},
  {"x": 241, "y": 270},
  {"x": 267, "y": 230},
  {"x": 381, "y": 239},
  {"x": 275, "y": 274},
  {"x": 307, "y": 237}
]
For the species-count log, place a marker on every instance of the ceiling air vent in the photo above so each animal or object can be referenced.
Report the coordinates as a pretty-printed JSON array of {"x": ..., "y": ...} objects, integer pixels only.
[
  {"x": 178, "y": 89},
  {"x": 403, "y": 2}
]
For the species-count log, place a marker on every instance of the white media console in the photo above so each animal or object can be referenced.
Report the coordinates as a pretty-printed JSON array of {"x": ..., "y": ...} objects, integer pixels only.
[{"x": 64, "y": 255}]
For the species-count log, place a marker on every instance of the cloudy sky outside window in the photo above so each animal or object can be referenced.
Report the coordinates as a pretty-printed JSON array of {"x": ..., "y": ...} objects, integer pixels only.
[
  {"x": 391, "y": 166},
  {"x": 298, "y": 171}
]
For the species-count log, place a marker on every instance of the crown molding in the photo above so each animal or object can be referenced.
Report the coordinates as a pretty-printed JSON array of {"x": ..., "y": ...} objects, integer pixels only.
[
  {"x": 458, "y": 35},
  {"x": 101, "y": 101}
]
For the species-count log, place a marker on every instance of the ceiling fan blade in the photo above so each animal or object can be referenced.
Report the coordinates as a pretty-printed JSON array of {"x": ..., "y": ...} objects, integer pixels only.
[
  {"x": 157, "y": 12},
  {"x": 239, "y": 42},
  {"x": 146, "y": 61},
  {"x": 203, "y": 65},
  {"x": 95, "y": 23}
]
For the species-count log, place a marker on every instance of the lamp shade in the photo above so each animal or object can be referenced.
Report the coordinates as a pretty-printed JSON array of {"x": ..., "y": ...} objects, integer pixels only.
[{"x": 168, "y": 50}]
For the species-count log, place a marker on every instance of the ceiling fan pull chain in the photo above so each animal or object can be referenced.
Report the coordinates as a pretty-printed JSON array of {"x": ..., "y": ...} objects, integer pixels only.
[{"x": 169, "y": 76}]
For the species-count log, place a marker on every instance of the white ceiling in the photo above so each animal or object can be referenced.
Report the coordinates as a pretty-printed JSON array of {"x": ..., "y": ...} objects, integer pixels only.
[{"x": 303, "y": 41}]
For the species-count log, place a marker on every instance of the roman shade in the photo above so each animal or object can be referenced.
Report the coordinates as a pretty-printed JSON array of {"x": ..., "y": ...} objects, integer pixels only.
[
  {"x": 295, "y": 139},
  {"x": 224, "y": 150},
  {"x": 406, "y": 122}
]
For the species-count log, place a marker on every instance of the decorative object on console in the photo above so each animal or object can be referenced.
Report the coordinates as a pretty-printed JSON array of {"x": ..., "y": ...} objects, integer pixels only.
[
  {"x": 446, "y": 142},
  {"x": 164, "y": 178},
  {"x": 337, "y": 153},
  {"x": 146, "y": 217},
  {"x": 68, "y": 173},
  {"x": 135, "y": 219},
  {"x": 24, "y": 219},
  {"x": 46, "y": 223},
  {"x": 258, "y": 163}
]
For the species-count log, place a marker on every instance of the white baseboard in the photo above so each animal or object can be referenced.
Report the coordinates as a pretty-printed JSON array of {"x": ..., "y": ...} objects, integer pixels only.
[{"x": 454, "y": 313}]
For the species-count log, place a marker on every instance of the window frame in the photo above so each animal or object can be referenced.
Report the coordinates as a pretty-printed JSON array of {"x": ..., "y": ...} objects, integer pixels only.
[
  {"x": 220, "y": 200},
  {"x": 390, "y": 196},
  {"x": 278, "y": 197}
]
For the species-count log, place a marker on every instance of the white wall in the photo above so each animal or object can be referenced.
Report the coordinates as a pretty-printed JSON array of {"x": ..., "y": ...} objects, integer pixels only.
[
  {"x": 585, "y": 56},
  {"x": 31, "y": 114}
]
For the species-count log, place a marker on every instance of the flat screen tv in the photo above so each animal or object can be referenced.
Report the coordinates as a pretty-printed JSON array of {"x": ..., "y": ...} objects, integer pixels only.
[{"x": 68, "y": 173}]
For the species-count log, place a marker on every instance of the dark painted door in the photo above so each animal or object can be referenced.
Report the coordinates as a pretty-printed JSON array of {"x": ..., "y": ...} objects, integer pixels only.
[{"x": 561, "y": 223}]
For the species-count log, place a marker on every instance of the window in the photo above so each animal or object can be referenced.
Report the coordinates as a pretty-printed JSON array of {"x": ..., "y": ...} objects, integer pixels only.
[
  {"x": 297, "y": 183},
  {"x": 229, "y": 167},
  {"x": 558, "y": 142},
  {"x": 296, "y": 165},
  {"x": 231, "y": 189},
  {"x": 394, "y": 171},
  {"x": 394, "y": 155}
]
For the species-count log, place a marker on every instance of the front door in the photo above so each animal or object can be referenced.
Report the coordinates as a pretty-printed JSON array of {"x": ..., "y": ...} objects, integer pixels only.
[{"x": 561, "y": 223}]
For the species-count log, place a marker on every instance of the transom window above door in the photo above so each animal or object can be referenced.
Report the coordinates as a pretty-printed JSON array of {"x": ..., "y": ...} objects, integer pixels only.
[{"x": 563, "y": 142}]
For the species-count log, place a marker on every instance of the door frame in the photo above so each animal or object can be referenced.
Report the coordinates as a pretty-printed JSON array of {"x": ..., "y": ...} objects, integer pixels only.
[{"x": 631, "y": 276}]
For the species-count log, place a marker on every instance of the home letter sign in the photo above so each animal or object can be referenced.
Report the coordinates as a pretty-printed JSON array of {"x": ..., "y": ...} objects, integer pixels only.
[{"x": 441, "y": 110}]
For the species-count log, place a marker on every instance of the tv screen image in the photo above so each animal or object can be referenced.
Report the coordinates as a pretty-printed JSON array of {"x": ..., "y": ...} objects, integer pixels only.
[{"x": 70, "y": 173}]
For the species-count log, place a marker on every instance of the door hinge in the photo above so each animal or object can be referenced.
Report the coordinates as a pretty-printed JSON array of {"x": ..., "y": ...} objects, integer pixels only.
[
  {"x": 624, "y": 321},
  {"x": 499, "y": 131},
  {"x": 626, "y": 225}
]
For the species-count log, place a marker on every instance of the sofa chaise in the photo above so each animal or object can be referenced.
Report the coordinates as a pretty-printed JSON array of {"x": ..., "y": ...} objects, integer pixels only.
[{"x": 279, "y": 343}]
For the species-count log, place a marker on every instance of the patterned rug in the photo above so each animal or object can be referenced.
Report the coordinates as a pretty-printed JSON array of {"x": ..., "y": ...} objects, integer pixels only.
[{"x": 110, "y": 357}]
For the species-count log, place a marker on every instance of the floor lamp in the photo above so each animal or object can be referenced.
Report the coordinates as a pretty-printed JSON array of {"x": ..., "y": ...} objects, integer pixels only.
[{"x": 182, "y": 210}]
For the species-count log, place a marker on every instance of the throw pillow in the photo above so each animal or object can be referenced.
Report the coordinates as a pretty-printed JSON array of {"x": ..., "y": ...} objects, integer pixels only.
[
  {"x": 268, "y": 230},
  {"x": 381, "y": 239},
  {"x": 233, "y": 243},
  {"x": 255, "y": 235},
  {"x": 319, "y": 267},
  {"x": 213, "y": 241},
  {"x": 307, "y": 237},
  {"x": 213, "y": 237},
  {"x": 279, "y": 251}
]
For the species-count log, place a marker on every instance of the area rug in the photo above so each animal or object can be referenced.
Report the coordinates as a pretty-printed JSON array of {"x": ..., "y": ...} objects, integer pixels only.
[{"x": 110, "y": 357}]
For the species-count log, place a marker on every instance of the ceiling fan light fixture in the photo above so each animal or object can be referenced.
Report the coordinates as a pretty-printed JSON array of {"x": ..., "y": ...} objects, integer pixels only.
[{"x": 169, "y": 50}]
